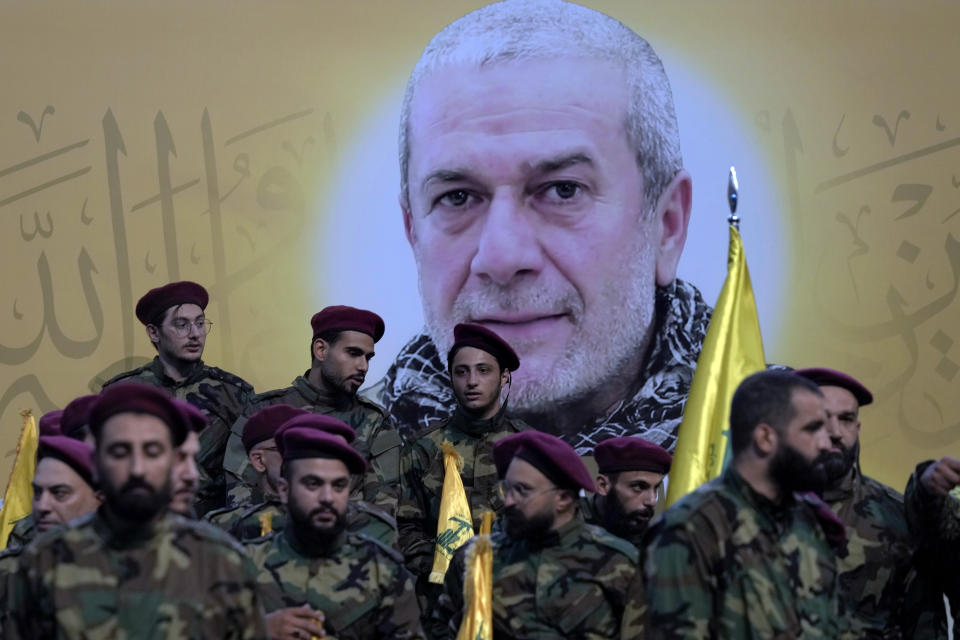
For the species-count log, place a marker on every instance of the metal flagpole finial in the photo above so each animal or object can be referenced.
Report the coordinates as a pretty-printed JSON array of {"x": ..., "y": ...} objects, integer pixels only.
[{"x": 733, "y": 189}]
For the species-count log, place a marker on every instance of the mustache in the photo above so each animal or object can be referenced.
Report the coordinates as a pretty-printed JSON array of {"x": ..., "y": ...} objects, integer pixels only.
[
  {"x": 644, "y": 513},
  {"x": 323, "y": 508},
  {"x": 526, "y": 296},
  {"x": 136, "y": 483}
]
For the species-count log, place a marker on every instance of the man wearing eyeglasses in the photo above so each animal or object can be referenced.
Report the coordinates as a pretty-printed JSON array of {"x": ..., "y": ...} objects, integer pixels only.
[{"x": 177, "y": 327}]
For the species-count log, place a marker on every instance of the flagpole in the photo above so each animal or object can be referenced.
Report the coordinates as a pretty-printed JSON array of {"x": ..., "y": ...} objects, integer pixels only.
[{"x": 733, "y": 192}]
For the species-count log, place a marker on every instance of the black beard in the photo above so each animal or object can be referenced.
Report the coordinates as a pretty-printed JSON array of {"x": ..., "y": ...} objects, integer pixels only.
[
  {"x": 308, "y": 532},
  {"x": 620, "y": 523},
  {"x": 336, "y": 386},
  {"x": 519, "y": 527},
  {"x": 795, "y": 474},
  {"x": 838, "y": 465},
  {"x": 136, "y": 508}
]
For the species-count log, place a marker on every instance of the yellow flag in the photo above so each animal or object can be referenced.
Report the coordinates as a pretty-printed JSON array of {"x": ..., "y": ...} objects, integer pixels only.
[
  {"x": 455, "y": 524},
  {"x": 732, "y": 350},
  {"x": 478, "y": 587},
  {"x": 18, "y": 498},
  {"x": 266, "y": 523}
]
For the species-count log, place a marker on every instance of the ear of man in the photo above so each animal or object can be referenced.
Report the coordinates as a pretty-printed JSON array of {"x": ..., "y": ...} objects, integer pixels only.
[
  {"x": 672, "y": 217},
  {"x": 765, "y": 440},
  {"x": 603, "y": 485}
]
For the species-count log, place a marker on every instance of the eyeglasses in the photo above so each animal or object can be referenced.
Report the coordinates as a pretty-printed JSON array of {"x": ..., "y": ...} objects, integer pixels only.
[
  {"x": 181, "y": 328},
  {"x": 522, "y": 493}
]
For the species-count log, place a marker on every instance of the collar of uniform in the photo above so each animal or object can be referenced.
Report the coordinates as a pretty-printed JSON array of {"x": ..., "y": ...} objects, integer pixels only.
[
  {"x": 845, "y": 489},
  {"x": 564, "y": 536},
  {"x": 122, "y": 534},
  {"x": 317, "y": 398},
  {"x": 774, "y": 512},
  {"x": 196, "y": 372},
  {"x": 476, "y": 427},
  {"x": 309, "y": 549}
]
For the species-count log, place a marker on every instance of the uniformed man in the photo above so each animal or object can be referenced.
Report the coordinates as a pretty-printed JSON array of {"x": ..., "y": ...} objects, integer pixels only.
[
  {"x": 932, "y": 503},
  {"x": 554, "y": 576},
  {"x": 75, "y": 421},
  {"x": 879, "y": 584},
  {"x": 630, "y": 479},
  {"x": 63, "y": 489},
  {"x": 186, "y": 473},
  {"x": 317, "y": 580},
  {"x": 248, "y": 521},
  {"x": 340, "y": 350},
  {"x": 480, "y": 364},
  {"x": 133, "y": 569},
  {"x": 743, "y": 556},
  {"x": 177, "y": 327}
]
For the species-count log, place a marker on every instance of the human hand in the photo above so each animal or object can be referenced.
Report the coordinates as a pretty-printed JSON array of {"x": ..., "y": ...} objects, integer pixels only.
[
  {"x": 296, "y": 623},
  {"x": 941, "y": 476}
]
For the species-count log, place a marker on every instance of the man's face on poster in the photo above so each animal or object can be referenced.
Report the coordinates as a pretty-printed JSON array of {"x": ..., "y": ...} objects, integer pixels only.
[{"x": 526, "y": 214}]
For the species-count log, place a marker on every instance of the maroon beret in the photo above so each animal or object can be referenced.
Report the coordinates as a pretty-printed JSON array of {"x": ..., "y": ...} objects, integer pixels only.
[
  {"x": 631, "y": 453},
  {"x": 197, "y": 419},
  {"x": 132, "y": 397},
  {"x": 76, "y": 415},
  {"x": 297, "y": 443},
  {"x": 263, "y": 424},
  {"x": 49, "y": 424},
  {"x": 156, "y": 301},
  {"x": 342, "y": 318},
  {"x": 831, "y": 378},
  {"x": 320, "y": 422},
  {"x": 552, "y": 456},
  {"x": 77, "y": 454},
  {"x": 479, "y": 337}
]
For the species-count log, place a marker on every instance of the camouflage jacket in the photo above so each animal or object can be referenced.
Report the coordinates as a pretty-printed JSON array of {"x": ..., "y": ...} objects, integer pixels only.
[
  {"x": 360, "y": 585},
  {"x": 572, "y": 584},
  {"x": 223, "y": 397},
  {"x": 879, "y": 584},
  {"x": 9, "y": 559},
  {"x": 726, "y": 562},
  {"x": 23, "y": 532},
  {"x": 422, "y": 469},
  {"x": 176, "y": 579},
  {"x": 247, "y": 522},
  {"x": 591, "y": 510},
  {"x": 377, "y": 439},
  {"x": 935, "y": 521}
]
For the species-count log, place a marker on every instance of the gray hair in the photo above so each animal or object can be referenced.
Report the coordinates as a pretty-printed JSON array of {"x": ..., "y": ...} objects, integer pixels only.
[{"x": 537, "y": 29}]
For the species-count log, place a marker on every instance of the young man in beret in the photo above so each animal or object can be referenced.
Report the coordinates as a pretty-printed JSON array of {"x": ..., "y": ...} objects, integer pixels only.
[
  {"x": 480, "y": 364},
  {"x": 133, "y": 568},
  {"x": 883, "y": 592},
  {"x": 631, "y": 472},
  {"x": 248, "y": 521},
  {"x": 176, "y": 324},
  {"x": 186, "y": 472},
  {"x": 317, "y": 579},
  {"x": 746, "y": 556},
  {"x": 554, "y": 576},
  {"x": 340, "y": 350}
]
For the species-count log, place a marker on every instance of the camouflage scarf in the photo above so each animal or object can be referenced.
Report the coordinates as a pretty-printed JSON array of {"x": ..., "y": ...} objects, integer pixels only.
[{"x": 416, "y": 390}]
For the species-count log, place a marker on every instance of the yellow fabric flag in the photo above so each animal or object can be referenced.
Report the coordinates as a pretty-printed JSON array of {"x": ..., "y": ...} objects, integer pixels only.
[
  {"x": 455, "y": 524},
  {"x": 478, "y": 587},
  {"x": 732, "y": 350},
  {"x": 18, "y": 497}
]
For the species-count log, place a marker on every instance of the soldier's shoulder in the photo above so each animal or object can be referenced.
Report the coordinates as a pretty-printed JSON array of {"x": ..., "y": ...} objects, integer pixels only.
[
  {"x": 261, "y": 544},
  {"x": 224, "y": 515},
  {"x": 79, "y": 532},
  {"x": 710, "y": 502},
  {"x": 431, "y": 435},
  {"x": 372, "y": 511},
  {"x": 883, "y": 492},
  {"x": 517, "y": 424},
  {"x": 376, "y": 548},
  {"x": 271, "y": 397},
  {"x": 225, "y": 377},
  {"x": 206, "y": 533},
  {"x": 371, "y": 406},
  {"x": 140, "y": 374},
  {"x": 606, "y": 540}
]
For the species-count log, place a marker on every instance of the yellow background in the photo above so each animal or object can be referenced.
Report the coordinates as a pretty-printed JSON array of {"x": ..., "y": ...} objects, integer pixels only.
[{"x": 853, "y": 110}]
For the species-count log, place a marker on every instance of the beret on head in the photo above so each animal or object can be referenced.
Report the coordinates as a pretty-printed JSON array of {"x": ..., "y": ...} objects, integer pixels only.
[
  {"x": 320, "y": 422},
  {"x": 553, "y": 457},
  {"x": 343, "y": 318},
  {"x": 479, "y": 337},
  {"x": 263, "y": 424},
  {"x": 156, "y": 301},
  {"x": 197, "y": 419},
  {"x": 132, "y": 397},
  {"x": 630, "y": 453},
  {"x": 75, "y": 453},
  {"x": 298, "y": 443},
  {"x": 823, "y": 377},
  {"x": 76, "y": 415},
  {"x": 49, "y": 424}
]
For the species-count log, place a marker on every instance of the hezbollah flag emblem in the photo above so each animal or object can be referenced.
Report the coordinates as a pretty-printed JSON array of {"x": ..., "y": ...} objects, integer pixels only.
[{"x": 455, "y": 524}]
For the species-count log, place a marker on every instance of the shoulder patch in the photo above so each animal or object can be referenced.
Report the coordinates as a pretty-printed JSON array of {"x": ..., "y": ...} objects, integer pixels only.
[
  {"x": 606, "y": 539},
  {"x": 361, "y": 539},
  {"x": 230, "y": 378}
]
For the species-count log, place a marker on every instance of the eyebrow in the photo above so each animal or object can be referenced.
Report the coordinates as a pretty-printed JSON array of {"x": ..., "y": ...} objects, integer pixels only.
[
  {"x": 445, "y": 175},
  {"x": 563, "y": 162}
]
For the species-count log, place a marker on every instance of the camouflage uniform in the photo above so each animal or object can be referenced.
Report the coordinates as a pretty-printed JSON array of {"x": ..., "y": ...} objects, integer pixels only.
[
  {"x": 9, "y": 558},
  {"x": 935, "y": 521},
  {"x": 246, "y": 522},
  {"x": 23, "y": 532},
  {"x": 726, "y": 562},
  {"x": 176, "y": 579},
  {"x": 878, "y": 581},
  {"x": 377, "y": 439},
  {"x": 360, "y": 585},
  {"x": 423, "y": 471},
  {"x": 572, "y": 584},
  {"x": 223, "y": 397}
]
